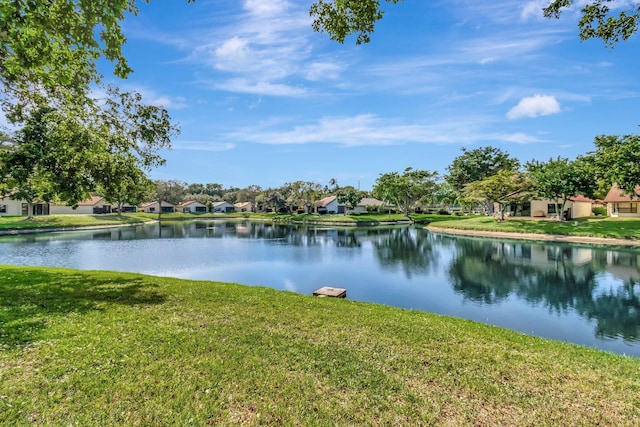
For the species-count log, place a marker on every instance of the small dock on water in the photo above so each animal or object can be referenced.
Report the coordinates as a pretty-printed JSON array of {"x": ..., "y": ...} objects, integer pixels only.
[{"x": 328, "y": 291}]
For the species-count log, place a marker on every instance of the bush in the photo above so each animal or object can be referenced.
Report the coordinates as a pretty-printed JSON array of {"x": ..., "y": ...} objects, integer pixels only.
[
  {"x": 443, "y": 212},
  {"x": 600, "y": 211}
]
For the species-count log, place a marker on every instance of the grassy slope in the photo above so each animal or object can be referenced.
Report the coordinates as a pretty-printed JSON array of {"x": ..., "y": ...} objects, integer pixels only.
[
  {"x": 621, "y": 228},
  {"x": 57, "y": 221},
  {"x": 103, "y": 348}
]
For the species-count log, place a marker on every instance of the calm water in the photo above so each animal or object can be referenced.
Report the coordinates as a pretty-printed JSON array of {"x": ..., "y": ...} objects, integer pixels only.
[{"x": 587, "y": 295}]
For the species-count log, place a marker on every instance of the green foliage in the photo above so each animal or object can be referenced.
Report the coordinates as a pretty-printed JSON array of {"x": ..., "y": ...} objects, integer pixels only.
[
  {"x": 561, "y": 179},
  {"x": 599, "y": 211},
  {"x": 350, "y": 196},
  {"x": 506, "y": 186},
  {"x": 598, "y": 20},
  {"x": 618, "y": 159},
  {"x": 404, "y": 190},
  {"x": 341, "y": 18},
  {"x": 478, "y": 164}
]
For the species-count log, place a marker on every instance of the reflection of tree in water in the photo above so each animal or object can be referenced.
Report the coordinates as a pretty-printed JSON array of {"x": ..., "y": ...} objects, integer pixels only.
[
  {"x": 561, "y": 277},
  {"x": 409, "y": 248},
  {"x": 617, "y": 312},
  {"x": 483, "y": 271}
]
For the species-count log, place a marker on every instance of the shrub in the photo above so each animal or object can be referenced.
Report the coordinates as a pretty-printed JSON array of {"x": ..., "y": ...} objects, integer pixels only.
[
  {"x": 599, "y": 211},
  {"x": 443, "y": 212}
]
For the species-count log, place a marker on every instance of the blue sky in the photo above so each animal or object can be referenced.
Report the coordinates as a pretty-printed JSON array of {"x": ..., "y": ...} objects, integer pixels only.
[{"x": 262, "y": 99}]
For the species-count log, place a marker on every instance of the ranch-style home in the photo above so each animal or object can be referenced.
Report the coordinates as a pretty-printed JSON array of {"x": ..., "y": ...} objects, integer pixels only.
[
  {"x": 192, "y": 206},
  {"x": 223, "y": 207},
  {"x": 154, "y": 207},
  {"x": 576, "y": 207},
  {"x": 11, "y": 207},
  {"x": 330, "y": 204},
  {"x": 244, "y": 207},
  {"x": 95, "y": 205},
  {"x": 622, "y": 205}
]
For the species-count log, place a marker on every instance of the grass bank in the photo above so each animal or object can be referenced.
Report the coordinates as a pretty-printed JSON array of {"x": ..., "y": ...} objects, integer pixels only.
[
  {"x": 601, "y": 227},
  {"x": 8, "y": 223},
  {"x": 104, "y": 348}
]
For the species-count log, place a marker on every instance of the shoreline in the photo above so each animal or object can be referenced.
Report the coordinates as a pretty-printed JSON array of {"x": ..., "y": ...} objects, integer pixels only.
[{"x": 558, "y": 238}]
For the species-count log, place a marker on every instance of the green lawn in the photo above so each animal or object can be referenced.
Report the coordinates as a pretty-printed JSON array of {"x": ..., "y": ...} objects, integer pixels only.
[
  {"x": 76, "y": 220},
  {"x": 104, "y": 348},
  {"x": 620, "y": 228}
]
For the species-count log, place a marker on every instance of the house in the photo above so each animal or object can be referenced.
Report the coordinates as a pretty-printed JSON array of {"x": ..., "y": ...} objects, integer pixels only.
[
  {"x": 329, "y": 205},
  {"x": 244, "y": 207},
  {"x": 11, "y": 207},
  {"x": 19, "y": 207},
  {"x": 368, "y": 203},
  {"x": 94, "y": 205},
  {"x": 222, "y": 207},
  {"x": 154, "y": 207},
  {"x": 622, "y": 205},
  {"x": 192, "y": 206},
  {"x": 576, "y": 207}
]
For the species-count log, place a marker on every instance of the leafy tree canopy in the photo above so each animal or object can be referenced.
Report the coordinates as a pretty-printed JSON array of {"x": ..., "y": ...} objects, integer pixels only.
[
  {"x": 560, "y": 179},
  {"x": 618, "y": 159},
  {"x": 502, "y": 188},
  {"x": 477, "y": 164},
  {"x": 350, "y": 196},
  {"x": 404, "y": 190},
  {"x": 600, "y": 19}
]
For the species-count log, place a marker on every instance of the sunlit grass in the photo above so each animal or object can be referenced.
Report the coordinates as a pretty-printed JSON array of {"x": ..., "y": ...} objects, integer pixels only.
[
  {"x": 61, "y": 221},
  {"x": 621, "y": 228},
  {"x": 104, "y": 348}
]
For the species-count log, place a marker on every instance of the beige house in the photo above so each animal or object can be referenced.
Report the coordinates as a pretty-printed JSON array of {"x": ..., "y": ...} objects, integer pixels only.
[
  {"x": 192, "y": 206},
  {"x": 576, "y": 207},
  {"x": 11, "y": 207},
  {"x": 622, "y": 205},
  {"x": 244, "y": 207},
  {"x": 95, "y": 205},
  {"x": 155, "y": 207}
]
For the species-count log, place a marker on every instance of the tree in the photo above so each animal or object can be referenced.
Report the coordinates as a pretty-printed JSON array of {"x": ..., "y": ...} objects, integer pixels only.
[
  {"x": 404, "y": 190},
  {"x": 171, "y": 191},
  {"x": 121, "y": 181},
  {"x": 342, "y": 18},
  {"x": 618, "y": 160},
  {"x": 505, "y": 187},
  {"x": 598, "y": 20},
  {"x": 302, "y": 194},
  {"x": 350, "y": 196},
  {"x": 476, "y": 165},
  {"x": 559, "y": 180}
]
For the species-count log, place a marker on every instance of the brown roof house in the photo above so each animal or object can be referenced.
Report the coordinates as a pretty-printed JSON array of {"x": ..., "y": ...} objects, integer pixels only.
[
  {"x": 94, "y": 205},
  {"x": 622, "y": 205}
]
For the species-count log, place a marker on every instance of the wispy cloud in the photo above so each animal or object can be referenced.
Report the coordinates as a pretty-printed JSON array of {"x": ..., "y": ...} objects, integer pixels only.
[
  {"x": 371, "y": 130},
  {"x": 203, "y": 146}
]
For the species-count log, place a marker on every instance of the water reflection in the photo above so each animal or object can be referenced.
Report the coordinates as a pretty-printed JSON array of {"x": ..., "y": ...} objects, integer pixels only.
[
  {"x": 589, "y": 295},
  {"x": 600, "y": 284}
]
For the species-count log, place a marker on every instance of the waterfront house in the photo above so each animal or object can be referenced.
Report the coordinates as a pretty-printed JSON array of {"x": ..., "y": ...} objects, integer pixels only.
[
  {"x": 192, "y": 206},
  {"x": 96, "y": 204},
  {"x": 620, "y": 204}
]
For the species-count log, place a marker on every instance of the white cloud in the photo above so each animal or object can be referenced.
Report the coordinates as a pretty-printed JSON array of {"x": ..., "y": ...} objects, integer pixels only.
[
  {"x": 203, "y": 146},
  {"x": 372, "y": 130},
  {"x": 243, "y": 85},
  {"x": 533, "y": 9},
  {"x": 534, "y": 106}
]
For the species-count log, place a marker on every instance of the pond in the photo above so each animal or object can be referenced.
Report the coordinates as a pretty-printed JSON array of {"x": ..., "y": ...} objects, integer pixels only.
[{"x": 583, "y": 294}]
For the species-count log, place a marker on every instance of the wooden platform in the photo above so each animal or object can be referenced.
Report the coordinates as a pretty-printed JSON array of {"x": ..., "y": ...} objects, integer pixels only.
[{"x": 328, "y": 291}]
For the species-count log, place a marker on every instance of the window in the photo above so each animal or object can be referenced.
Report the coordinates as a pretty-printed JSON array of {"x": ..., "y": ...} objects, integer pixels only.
[
  {"x": 627, "y": 207},
  {"x": 3, "y": 208},
  {"x": 551, "y": 208}
]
